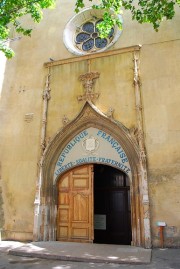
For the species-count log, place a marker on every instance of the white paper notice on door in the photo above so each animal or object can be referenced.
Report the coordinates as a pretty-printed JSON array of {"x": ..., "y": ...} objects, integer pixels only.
[{"x": 99, "y": 222}]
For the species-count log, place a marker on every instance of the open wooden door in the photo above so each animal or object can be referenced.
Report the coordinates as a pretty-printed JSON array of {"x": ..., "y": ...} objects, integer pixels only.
[
  {"x": 75, "y": 205},
  {"x": 111, "y": 206}
]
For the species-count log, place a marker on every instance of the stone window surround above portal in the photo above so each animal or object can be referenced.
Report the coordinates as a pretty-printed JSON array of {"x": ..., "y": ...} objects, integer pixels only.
[{"x": 74, "y": 26}]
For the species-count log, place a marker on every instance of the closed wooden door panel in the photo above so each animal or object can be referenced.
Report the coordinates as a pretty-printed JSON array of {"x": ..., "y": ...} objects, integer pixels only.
[{"x": 75, "y": 205}]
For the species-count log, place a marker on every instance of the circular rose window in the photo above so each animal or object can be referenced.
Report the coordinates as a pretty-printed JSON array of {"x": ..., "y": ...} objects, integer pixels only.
[
  {"x": 87, "y": 37},
  {"x": 81, "y": 35}
]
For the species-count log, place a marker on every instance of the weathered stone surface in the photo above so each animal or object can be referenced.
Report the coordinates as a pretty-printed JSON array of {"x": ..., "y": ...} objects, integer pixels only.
[{"x": 22, "y": 83}]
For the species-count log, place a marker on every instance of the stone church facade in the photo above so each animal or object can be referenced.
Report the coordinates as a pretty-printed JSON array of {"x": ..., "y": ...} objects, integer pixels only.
[{"x": 90, "y": 132}]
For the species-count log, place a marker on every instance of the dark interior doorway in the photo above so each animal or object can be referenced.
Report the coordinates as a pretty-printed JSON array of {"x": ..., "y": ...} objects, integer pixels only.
[{"x": 112, "y": 210}]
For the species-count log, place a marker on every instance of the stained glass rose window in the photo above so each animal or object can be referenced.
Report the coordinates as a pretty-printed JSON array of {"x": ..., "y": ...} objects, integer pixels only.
[
  {"x": 81, "y": 35},
  {"x": 87, "y": 37}
]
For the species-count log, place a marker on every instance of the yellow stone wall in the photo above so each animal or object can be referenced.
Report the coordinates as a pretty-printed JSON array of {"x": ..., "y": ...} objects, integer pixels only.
[
  {"x": 23, "y": 82},
  {"x": 65, "y": 85},
  {"x": 160, "y": 83}
]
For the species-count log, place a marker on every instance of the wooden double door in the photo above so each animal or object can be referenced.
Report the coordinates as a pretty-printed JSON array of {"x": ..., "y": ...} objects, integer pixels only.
[{"x": 94, "y": 206}]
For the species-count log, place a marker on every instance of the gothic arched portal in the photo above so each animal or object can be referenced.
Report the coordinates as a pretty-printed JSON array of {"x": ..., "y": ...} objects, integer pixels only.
[{"x": 85, "y": 134}]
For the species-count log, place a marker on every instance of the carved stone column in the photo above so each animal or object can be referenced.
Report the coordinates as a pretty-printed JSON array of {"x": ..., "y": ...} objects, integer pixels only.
[
  {"x": 40, "y": 209},
  {"x": 143, "y": 165},
  {"x": 46, "y": 97}
]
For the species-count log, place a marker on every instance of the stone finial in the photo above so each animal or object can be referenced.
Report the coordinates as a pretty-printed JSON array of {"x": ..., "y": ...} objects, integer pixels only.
[
  {"x": 65, "y": 120},
  {"x": 110, "y": 113}
]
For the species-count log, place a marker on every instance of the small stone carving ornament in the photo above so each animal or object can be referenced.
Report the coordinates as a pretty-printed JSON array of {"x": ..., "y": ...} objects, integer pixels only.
[{"x": 88, "y": 81}]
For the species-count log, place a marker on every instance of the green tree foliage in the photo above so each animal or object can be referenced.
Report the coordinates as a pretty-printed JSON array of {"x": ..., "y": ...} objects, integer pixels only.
[
  {"x": 11, "y": 12},
  {"x": 149, "y": 11},
  {"x": 143, "y": 11}
]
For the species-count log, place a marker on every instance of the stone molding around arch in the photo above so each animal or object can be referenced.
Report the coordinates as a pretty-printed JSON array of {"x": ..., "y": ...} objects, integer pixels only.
[{"x": 46, "y": 194}]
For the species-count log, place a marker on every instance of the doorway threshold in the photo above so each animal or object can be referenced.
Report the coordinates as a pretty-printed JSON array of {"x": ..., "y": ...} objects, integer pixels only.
[{"x": 84, "y": 252}]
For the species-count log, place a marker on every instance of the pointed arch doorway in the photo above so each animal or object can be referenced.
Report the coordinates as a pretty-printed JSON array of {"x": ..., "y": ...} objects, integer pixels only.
[
  {"x": 94, "y": 205},
  {"x": 91, "y": 138}
]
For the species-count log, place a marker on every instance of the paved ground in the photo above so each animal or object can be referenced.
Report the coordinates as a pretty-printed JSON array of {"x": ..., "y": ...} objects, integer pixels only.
[
  {"x": 161, "y": 259},
  {"x": 86, "y": 252}
]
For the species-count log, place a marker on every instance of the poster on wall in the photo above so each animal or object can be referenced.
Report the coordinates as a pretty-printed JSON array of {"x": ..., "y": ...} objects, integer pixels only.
[{"x": 99, "y": 222}]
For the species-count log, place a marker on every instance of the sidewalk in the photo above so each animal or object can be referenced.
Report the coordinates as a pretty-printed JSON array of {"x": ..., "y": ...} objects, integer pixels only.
[{"x": 83, "y": 252}]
